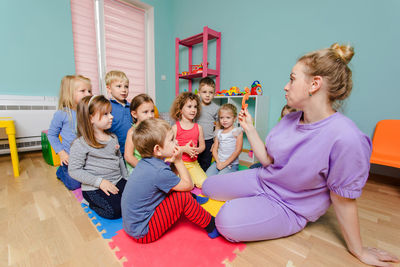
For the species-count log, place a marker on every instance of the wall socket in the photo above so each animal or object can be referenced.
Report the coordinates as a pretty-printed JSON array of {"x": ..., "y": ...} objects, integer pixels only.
[{"x": 163, "y": 77}]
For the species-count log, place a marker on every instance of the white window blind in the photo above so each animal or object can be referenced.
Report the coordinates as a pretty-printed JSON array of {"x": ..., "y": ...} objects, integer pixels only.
[
  {"x": 124, "y": 29},
  {"x": 84, "y": 34}
]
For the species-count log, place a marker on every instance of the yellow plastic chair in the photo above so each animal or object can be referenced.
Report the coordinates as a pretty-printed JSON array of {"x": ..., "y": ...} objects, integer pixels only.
[
  {"x": 8, "y": 123},
  {"x": 386, "y": 143}
]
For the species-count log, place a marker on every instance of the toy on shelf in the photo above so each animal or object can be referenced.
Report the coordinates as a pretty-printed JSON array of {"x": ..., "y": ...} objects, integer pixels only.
[
  {"x": 185, "y": 73},
  {"x": 233, "y": 91},
  {"x": 245, "y": 98},
  {"x": 196, "y": 68},
  {"x": 256, "y": 88}
]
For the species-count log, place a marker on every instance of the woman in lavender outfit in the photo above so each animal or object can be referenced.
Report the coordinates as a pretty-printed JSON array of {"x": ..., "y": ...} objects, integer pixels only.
[{"x": 312, "y": 158}]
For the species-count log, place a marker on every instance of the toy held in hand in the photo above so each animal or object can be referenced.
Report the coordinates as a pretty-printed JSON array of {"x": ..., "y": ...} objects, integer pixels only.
[{"x": 245, "y": 98}]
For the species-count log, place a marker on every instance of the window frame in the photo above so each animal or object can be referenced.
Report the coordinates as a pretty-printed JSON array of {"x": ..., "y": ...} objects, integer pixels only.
[{"x": 149, "y": 45}]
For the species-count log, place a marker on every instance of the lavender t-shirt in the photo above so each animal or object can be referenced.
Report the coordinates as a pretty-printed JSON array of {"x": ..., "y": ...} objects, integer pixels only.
[{"x": 310, "y": 160}]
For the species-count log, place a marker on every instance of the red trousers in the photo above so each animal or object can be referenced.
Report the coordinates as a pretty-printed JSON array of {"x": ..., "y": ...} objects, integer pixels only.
[{"x": 170, "y": 210}]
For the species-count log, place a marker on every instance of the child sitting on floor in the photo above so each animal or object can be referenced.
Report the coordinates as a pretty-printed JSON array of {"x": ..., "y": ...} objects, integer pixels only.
[
  {"x": 155, "y": 197},
  {"x": 73, "y": 88},
  {"x": 142, "y": 108},
  {"x": 96, "y": 160},
  {"x": 185, "y": 110},
  {"x": 228, "y": 142}
]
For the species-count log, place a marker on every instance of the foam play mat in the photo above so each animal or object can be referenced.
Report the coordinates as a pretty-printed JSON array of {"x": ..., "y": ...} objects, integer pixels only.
[
  {"x": 185, "y": 244},
  {"x": 107, "y": 228}
]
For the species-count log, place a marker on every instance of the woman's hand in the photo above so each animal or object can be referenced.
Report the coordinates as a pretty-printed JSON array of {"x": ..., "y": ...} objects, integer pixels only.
[
  {"x": 376, "y": 257},
  {"x": 64, "y": 157},
  {"x": 108, "y": 187},
  {"x": 245, "y": 119}
]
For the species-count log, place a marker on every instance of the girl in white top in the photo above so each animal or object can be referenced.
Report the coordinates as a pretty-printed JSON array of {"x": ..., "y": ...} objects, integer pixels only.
[{"x": 227, "y": 144}]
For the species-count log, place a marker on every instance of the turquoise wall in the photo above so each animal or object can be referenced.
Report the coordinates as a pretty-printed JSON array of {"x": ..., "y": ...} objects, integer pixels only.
[
  {"x": 36, "y": 47},
  {"x": 164, "y": 47},
  {"x": 261, "y": 40}
]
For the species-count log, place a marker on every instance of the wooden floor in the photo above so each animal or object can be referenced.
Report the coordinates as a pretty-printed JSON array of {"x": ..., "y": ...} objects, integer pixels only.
[{"x": 43, "y": 225}]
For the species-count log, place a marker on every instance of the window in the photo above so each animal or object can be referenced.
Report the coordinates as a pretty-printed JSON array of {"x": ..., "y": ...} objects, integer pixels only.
[{"x": 117, "y": 35}]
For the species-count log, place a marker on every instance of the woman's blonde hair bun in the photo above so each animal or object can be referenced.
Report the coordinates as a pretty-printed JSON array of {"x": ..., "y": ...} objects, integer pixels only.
[{"x": 346, "y": 52}]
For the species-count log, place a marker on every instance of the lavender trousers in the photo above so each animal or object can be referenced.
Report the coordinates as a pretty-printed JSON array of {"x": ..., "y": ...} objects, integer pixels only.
[{"x": 249, "y": 214}]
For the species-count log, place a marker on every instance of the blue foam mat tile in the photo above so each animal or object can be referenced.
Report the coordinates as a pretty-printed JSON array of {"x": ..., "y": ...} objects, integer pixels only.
[{"x": 110, "y": 226}]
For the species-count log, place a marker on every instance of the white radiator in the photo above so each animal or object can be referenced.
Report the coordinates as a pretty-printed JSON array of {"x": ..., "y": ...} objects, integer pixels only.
[{"x": 31, "y": 115}]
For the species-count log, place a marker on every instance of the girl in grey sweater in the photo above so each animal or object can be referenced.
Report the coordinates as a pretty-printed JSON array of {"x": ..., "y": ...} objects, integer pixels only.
[{"x": 95, "y": 158}]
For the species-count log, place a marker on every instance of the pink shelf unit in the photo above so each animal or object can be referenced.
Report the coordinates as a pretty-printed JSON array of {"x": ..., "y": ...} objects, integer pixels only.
[{"x": 207, "y": 34}]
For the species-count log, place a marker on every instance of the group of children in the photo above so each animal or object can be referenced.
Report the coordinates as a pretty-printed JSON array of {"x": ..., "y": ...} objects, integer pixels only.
[{"x": 132, "y": 165}]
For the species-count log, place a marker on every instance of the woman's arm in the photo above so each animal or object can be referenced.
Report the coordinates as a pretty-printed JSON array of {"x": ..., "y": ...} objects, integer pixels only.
[
  {"x": 347, "y": 215},
  {"x": 255, "y": 141},
  {"x": 130, "y": 149},
  {"x": 235, "y": 154}
]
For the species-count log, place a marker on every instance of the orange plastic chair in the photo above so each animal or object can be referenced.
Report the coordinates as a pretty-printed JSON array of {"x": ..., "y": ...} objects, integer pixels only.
[{"x": 386, "y": 143}]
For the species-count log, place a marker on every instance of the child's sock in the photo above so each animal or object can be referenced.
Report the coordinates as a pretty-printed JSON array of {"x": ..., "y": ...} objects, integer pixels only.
[
  {"x": 214, "y": 234},
  {"x": 199, "y": 199},
  {"x": 211, "y": 229}
]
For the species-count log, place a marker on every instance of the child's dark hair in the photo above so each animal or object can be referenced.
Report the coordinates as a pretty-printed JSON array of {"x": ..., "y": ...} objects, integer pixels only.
[
  {"x": 87, "y": 107},
  {"x": 148, "y": 134},
  {"x": 180, "y": 101},
  {"x": 230, "y": 107},
  {"x": 138, "y": 100},
  {"x": 207, "y": 81}
]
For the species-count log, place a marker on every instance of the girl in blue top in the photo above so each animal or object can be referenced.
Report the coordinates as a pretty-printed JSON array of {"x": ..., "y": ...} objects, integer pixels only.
[{"x": 73, "y": 88}]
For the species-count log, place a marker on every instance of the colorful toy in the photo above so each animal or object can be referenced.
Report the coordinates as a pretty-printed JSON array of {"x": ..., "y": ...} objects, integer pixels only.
[
  {"x": 222, "y": 93},
  {"x": 245, "y": 98},
  {"x": 256, "y": 88},
  {"x": 185, "y": 73},
  {"x": 48, "y": 152},
  {"x": 234, "y": 91},
  {"x": 196, "y": 68}
]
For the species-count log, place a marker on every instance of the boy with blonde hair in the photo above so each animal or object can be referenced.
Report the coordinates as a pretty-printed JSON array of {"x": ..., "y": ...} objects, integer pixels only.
[
  {"x": 117, "y": 84},
  {"x": 208, "y": 117}
]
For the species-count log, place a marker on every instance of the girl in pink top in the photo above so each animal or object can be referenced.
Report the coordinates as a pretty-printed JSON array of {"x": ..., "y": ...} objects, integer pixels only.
[{"x": 185, "y": 109}]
